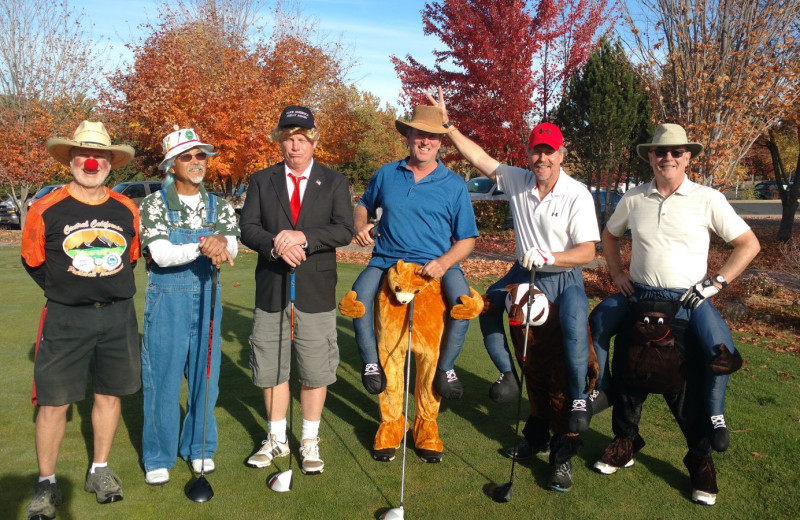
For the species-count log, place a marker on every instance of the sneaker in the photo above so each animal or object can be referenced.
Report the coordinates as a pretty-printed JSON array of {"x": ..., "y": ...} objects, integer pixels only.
[
  {"x": 619, "y": 454},
  {"x": 373, "y": 378},
  {"x": 46, "y": 497},
  {"x": 579, "y": 416},
  {"x": 506, "y": 388},
  {"x": 157, "y": 477},
  {"x": 208, "y": 466},
  {"x": 311, "y": 463},
  {"x": 704, "y": 478},
  {"x": 561, "y": 478},
  {"x": 599, "y": 401},
  {"x": 270, "y": 448},
  {"x": 429, "y": 456},
  {"x": 105, "y": 484},
  {"x": 384, "y": 454},
  {"x": 720, "y": 438},
  {"x": 447, "y": 385},
  {"x": 524, "y": 450}
]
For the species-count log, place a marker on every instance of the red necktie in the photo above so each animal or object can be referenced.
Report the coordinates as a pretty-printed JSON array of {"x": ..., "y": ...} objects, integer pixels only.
[{"x": 295, "y": 202}]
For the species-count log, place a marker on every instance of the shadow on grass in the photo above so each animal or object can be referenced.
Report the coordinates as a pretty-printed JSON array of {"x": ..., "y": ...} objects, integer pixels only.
[{"x": 18, "y": 491}]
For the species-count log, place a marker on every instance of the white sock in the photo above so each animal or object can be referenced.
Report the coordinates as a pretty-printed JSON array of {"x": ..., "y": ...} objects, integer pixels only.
[
  {"x": 278, "y": 429},
  {"x": 51, "y": 478},
  {"x": 96, "y": 465},
  {"x": 310, "y": 429}
]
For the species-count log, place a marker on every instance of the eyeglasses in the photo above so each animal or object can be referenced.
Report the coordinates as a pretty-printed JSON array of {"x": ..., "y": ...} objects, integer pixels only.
[
  {"x": 187, "y": 157},
  {"x": 662, "y": 152}
]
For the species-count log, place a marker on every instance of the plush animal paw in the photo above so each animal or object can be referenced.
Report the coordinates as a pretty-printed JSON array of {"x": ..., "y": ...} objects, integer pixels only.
[
  {"x": 488, "y": 308},
  {"x": 470, "y": 306},
  {"x": 351, "y": 307},
  {"x": 725, "y": 362}
]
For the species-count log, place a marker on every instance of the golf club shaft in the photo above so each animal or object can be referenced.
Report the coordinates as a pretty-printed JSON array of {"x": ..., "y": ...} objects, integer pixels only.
[
  {"x": 214, "y": 278},
  {"x": 522, "y": 369},
  {"x": 291, "y": 350},
  {"x": 405, "y": 405}
]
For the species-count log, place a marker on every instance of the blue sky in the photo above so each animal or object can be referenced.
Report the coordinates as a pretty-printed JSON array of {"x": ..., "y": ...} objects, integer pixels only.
[{"x": 372, "y": 29}]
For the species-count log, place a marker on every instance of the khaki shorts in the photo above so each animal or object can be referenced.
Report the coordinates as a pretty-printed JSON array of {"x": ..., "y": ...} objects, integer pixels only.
[
  {"x": 316, "y": 349},
  {"x": 81, "y": 339}
]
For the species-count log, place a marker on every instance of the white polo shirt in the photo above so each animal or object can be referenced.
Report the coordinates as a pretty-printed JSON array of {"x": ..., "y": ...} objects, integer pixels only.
[
  {"x": 671, "y": 235},
  {"x": 560, "y": 221}
]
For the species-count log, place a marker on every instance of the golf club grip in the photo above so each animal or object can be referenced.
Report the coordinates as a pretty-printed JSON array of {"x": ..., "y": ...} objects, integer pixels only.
[{"x": 214, "y": 278}]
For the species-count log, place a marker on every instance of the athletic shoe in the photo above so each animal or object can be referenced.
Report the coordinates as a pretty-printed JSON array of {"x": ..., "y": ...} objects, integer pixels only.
[
  {"x": 619, "y": 454},
  {"x": 270, "y": 449},
  {"x": 524, "y": 450},
  {"x": 157, "y": 477},
  {"x": 208, "y": 466},
  {"x": 46, "y": 497},
  {"x": 506, "y": 388},
  {"x": 561, "y": 478},
  {"x": 384, "y": 455},
  {"x": 105, "y": 484},
  {"x": 599, "y": 401},
  {"x": 447, "y": 385},
  {"x": 429, "y": 456},
  {"x": 373, "y": 378},
  {"x": 720, "y": 438},
  {"x": 311, "y": 463},
  {"x": 579, "y": 416},
  {"x": 703, "y": 477}
]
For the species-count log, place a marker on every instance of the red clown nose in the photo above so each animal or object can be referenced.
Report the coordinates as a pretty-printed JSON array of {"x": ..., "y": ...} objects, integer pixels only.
[{"x": 90, "y": 164}]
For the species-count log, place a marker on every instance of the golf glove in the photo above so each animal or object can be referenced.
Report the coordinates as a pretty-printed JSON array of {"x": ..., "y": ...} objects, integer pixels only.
[
  {"x": 698, "y": 293},
  {"x": 535, "y": 257}
]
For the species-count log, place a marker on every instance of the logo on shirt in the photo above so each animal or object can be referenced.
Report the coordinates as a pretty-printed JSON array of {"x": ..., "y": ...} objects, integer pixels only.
[{"x": 95, "y": 252}]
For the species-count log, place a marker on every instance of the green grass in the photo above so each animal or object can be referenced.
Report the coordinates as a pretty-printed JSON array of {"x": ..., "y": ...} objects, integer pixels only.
[{"x": 757, "y": 476}]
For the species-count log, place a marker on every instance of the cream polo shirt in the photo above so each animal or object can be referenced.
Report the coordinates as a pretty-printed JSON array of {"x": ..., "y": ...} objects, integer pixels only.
[
  {"x": 560, "y": 221},
  {"x": 671, "y": 235}
]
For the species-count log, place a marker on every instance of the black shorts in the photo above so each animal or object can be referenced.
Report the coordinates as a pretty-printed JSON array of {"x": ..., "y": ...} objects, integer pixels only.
[{"x": 76, "y": 340}]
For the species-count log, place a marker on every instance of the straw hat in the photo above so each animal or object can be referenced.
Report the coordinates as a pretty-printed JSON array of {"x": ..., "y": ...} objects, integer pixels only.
[
  {"x": 668, "y": 134},
  {"x": 91, "y": 135},
  {"x": 426, "y": 118},
  {"x": 179, "y": 141}
]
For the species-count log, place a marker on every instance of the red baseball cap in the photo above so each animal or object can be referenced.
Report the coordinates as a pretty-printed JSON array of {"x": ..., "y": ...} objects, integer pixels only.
[{"x": 546, "y": 133}]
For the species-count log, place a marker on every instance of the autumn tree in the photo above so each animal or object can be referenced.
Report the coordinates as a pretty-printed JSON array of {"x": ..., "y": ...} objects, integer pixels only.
[
  {"x": 197, "y": 68},
  {"x": 724, "y": 70},
  {"x": 604, "y": 114},
  {"x": 504, "y": 63},
  {"x": 48, "y": 65}
]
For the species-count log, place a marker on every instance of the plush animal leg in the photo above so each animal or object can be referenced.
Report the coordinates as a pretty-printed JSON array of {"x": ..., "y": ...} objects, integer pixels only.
[
  {"x": 351, "y": 307},
  {"x": 390, "y": 432},
  {"x": 426, "y": 430}
]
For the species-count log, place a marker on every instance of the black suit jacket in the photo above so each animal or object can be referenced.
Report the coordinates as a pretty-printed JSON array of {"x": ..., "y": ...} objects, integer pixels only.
[{"x": 326, "y": 218}]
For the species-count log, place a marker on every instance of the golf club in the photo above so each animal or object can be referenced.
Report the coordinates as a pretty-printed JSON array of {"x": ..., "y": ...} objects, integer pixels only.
[
  {"x": 282, "y": 482},
  {"x": 398, "y": 513},
  {"x": 200, "y": 490},
  {"x": 502, "y": 492}
]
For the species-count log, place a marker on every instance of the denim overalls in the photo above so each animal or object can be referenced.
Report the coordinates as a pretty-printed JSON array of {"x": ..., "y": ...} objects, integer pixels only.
[{"x": 175, "y": 345}]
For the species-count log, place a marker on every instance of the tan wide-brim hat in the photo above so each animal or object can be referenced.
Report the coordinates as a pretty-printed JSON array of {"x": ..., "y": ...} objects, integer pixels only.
[
  {"x": 91, "y": 135},
  {"x": 426, "y": 118},
  {"x": 668, "y": 134}
]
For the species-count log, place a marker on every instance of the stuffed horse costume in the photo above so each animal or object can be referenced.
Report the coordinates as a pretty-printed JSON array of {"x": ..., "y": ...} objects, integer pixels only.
[{"x": 400, "y": 285}]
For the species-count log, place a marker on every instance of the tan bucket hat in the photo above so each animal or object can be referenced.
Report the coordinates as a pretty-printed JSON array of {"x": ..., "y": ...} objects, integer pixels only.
[
  {"x": 427, "y": 118},
  {"x": 91, "y": 135},
  {"x": 668, "y": 134}
]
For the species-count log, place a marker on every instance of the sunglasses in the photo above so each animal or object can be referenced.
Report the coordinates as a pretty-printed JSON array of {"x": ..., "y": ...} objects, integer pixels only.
[
  {"x": 662, "y": 152},
  {"x": 187, "y": 157}
]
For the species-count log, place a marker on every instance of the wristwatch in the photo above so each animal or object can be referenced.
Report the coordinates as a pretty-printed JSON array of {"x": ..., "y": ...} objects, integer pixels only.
[
  {"x": 447, "y": 124},
  {"x": 720, "y": 280}
]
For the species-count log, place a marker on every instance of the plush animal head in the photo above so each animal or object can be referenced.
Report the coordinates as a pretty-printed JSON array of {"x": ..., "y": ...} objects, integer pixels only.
[
  {"x": 653, "y": 318},
  {"x": 517, "y": 306},
  {"x": 405, "y": 282}
]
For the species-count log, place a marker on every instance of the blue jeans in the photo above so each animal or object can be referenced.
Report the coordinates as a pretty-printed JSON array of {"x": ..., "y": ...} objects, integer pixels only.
[
  {"x": 366, "y": 287},
  {"x": 175, "y": 345},
  {"x": 564, "y": 289},
  {"x": 705, "y": 324}
]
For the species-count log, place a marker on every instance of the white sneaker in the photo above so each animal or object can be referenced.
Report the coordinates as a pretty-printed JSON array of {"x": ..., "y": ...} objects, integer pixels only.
[
  {"x": 704, "y": 498},
  {"x": 157, "y": 477},
  {"x": 208, "y": 466},
  {"x": 312, "y": 464},
  {"x": 608, "y": 469},
  {"x": 270, "y": 449}
]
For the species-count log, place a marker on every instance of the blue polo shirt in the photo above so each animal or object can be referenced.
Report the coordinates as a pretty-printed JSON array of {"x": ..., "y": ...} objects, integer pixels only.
[{"x": 420, "y": 220}]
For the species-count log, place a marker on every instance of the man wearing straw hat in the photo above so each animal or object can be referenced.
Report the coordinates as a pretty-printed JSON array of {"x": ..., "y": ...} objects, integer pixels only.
[
  {"x": 80, "y": 244},
  {"x": 427, "y": 219},
  {"x": 670, "y": 220},
  {"x": 185, "y": 234}
]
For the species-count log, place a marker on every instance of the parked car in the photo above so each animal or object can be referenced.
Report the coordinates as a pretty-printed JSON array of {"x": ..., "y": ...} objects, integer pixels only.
[
  {"x": 768, "y": 190},
  {"x": 9, "y": 214},
  {"x": 482, "y": 188},
  {"x": 43, "y": 191},
  {"x": 137, "y": 190}
]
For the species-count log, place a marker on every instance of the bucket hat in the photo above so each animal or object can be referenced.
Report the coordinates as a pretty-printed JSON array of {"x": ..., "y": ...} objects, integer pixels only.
[
  {"x": 179, "y": 141},
  {"x": 668, "y": 134}
]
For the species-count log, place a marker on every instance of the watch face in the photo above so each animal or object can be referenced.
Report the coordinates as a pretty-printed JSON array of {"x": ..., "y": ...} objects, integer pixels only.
[{"x": 719, "y": 278}]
